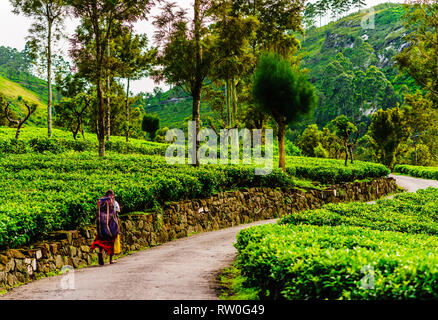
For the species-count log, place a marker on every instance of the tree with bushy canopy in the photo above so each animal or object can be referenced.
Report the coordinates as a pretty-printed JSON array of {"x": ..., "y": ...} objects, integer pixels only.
[
  {"x": 388, "y": 129},
  {"x": 282, "y": 92},
  {"x": 150, "y": 124},
  {"x": 91, "y": 40},
  {"x": 345, "y": 129},
  {"x": 47, "y": 28}
]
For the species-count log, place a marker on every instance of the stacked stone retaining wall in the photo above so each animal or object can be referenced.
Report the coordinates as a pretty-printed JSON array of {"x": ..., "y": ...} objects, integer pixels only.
[{"x": 178, "y": 220}]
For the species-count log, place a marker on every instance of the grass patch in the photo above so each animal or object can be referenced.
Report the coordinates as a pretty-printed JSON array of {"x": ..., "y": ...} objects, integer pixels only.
[{"x": 231, "y": 286}]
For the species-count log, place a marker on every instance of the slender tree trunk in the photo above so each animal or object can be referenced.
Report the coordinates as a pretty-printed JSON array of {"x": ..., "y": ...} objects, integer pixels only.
[
  {"x": 127, "y": 112},
  {"x": 198, "y": 80},
  {"x": 17, "y": 133},
  {"x": 108, "y": 101},
  {"x": 197, "y": 118},
  {"x": 100, "y": 54},
  {"x": 101, "y": 117},
  {"x": 416, "y": 156},
  {"x": 227, "y": 94},
  {"x": 351, "y": 154},
  {"x": 108, "y": 118},
  {"x": 49, "y": 79},
  {"x": 346, "y": 154},
  {"x": 281, "y": 147},
  {"x": 75, "y": 133},
  {"x": 234, "y": 96}
]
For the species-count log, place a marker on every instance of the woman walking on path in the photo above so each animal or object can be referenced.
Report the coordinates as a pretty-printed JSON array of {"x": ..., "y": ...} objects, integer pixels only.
[{"x": 107, "y": 226}]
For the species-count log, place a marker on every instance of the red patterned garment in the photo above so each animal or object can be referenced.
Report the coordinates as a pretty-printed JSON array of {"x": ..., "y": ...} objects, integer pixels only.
[{"x": 106, "y": 245}]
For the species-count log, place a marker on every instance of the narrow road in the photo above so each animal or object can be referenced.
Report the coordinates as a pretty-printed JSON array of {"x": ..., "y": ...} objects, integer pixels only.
[
  {"x": 184, "y": 269},
  {"x": 411, "y": 184}
]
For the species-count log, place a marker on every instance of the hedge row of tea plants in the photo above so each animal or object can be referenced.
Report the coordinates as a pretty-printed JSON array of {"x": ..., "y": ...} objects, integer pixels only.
[
  {"x": 61, "y": 145},
  {"x": 42, "y": 193},
  {"x": 342, "y": 262},
  {"x": 334, "y": 171},
  {"x": 319, "y": 254},
  {"x": 408, "y": 212},
  {"x": 418, "y": 171}
]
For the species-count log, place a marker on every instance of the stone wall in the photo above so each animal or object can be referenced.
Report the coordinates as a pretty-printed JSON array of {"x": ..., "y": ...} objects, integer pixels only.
[{"x": 178, "y": 220}]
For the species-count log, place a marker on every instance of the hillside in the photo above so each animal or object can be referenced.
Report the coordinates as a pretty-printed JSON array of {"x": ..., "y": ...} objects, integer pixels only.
[
  {"x": 343, "y": 59},
  {"x": 347, "y": 36},
  {"x": 14, "y": 93},
  {"x": 173, "y": 107},
  {"x": 353, "y": 67},
  {"x": 17, "y": 83},
  {"x": 334, "y": 54}
]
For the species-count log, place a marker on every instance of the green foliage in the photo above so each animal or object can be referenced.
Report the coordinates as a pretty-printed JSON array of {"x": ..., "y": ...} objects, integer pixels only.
[
  {"x": 34, "y": 140},
  {"x": 292, "y": 149},
  {"x": 418, "y": 171},
  {"x": 321, "y": 254},
  {"x": 333, "y": 171},
  {"x": 280, "y": 90},
  {"x": 42, "y": 193},
  {"x": 310, "y": 262},
  {"x": 309, "y": 140},
  {"x": 387, "y": 130},
  {"x": 320, "y": 152},
  {"x": 410, "y": 212},
  {"x": 344, "y": 128},
  {"x": 414, "y": 154},
  {"x": 312, "y": 138},
  {"x": 418, "y": 59},
  {"x": 150, "y": 124}
]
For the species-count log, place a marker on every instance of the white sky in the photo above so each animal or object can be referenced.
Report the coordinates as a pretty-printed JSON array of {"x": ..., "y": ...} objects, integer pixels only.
[{"x": 14, "y": 29}]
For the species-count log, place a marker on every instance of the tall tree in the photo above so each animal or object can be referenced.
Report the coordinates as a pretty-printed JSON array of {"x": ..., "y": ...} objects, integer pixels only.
[
  {"x": 279, "y": 20},
  {"x": 388, "y": 129},
  {"x": 421, "y": 118},
  {"x": 75, "y": 105},
  {"x": 186, "y": 56},
  {"x": 90, "y": 44},
  {"x": 134, "y": 62},
  {"x": 47, "y": 27},
  {"x": 345, "y": 129},
  {"x": 282, "y": 92},
  {"x": 235, "y": 57}
]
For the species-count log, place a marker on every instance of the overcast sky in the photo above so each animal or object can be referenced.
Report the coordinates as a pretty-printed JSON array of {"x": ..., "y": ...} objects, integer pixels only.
[{"x": 14, "y": 29}]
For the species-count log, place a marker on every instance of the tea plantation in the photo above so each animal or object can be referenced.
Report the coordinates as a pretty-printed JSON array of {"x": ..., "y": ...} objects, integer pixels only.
[
  {"x": 346, "y": 251},
  {"x": 49, "y": 185}
]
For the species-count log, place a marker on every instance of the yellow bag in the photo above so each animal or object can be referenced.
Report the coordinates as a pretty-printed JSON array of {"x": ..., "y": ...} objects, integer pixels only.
[{"x": 117, "y": 245}]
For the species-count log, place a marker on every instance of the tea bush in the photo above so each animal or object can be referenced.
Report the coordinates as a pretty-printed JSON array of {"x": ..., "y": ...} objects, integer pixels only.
[
  {"x": 320, "y": 254},
  {"x": 324, "y": 262},
  {"x": 417, "y": 171}
]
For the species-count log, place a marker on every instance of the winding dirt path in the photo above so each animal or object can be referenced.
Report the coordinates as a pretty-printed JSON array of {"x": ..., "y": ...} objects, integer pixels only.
[
  {"x": 184, "y": 269},
  {"x": 411, "y": 184}
]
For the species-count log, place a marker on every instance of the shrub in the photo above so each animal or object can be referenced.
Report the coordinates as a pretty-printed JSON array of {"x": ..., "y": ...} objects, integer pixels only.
[
  {"x": 320, "y": 152},
  {"x": 418, "y": 171},
  {"x": 43, "y": 193},
  {"x": 311, "y": 262},
  {"x": 45, "y": 144},
  {"x": 320, "y": 254},
  {"x": 13, "y": 146}
]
